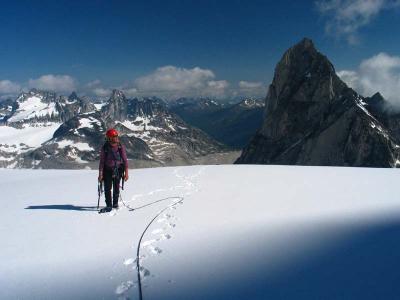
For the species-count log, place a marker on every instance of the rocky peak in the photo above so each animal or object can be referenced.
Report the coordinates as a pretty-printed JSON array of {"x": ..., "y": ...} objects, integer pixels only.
[
  {"x": 376, "y": 102},
  {"x": 117, "y": 95},
  {"x": 146, "y": 107},
  {"x": 73, "y": 97},
  {"x": 300, "y": 73},
  {"x": 116, "y": 107},
  {"x": 46, "y": 96},
  {"x": 377, "y": 97},
  {"x": 313, "y": 118}
]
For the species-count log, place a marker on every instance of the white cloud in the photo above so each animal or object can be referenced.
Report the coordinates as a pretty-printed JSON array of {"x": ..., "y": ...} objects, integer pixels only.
[
  {"x": 102, "y": 92},
  {"x": 346, "y": 17},
  {"x": 252, "y": 89},
  {"x": 170, "y": 78},
  {"x": 171, "y": 81},
  {"x": 380, "y": 73},
  {"x": 250, "y": 85},
  {"x": 9, "y": 87},
  {"x": 216, "y": 89},
  {"x": 350, "y": 77},
  {"x": 56, "y": 83},
  {"x": 93, "y": 83},
  {"x": 130, "y": 92}
]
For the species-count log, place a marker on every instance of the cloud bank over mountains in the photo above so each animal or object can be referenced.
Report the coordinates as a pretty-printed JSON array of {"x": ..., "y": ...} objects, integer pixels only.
[
  {"x": 380, "y": 73},
  {"x": 56, "y": 83},
  {"x": 7, "y": 87},
  {"x": 173, "y": 82},
  {"x": 169, "y": 82}
]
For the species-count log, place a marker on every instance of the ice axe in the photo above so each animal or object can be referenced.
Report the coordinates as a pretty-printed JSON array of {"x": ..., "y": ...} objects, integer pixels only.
[{"x": 100, "y": 191}]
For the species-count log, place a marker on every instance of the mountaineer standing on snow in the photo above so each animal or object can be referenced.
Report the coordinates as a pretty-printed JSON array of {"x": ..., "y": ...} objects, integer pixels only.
[{"x": 113, "y": 167}]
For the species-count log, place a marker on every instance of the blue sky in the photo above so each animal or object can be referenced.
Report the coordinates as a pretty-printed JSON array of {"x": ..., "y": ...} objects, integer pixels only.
[{"x": 186, "y": 48}]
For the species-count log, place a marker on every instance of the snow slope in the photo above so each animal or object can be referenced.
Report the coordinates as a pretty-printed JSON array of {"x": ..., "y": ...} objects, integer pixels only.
[
  {"x": 33, "y": 136},
  {"x": 32, "y": 107},
  {"x": 227, "y": 232}
]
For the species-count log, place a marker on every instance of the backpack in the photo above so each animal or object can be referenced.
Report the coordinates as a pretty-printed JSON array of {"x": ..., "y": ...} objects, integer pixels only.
[{"x": 107, "y": 149}]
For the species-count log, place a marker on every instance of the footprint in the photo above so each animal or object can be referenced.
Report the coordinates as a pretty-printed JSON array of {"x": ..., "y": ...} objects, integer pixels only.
[
  {"x": 172, "y": 225},
  {"x": 124, "y": 287},
  {"x": 168, "y": 216},
  {"x": 129, "y": 261},
  {"x": 155, "y": 250},
  {"x": 158, "y": 230},
  {"x": 144, "y": 272},
  {"x": 147, "y": 243},
  {"x": 165, "y": 237}
]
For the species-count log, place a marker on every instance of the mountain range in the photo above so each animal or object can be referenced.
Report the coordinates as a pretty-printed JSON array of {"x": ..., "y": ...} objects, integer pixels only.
[
  {"x": 309, "y": 117},
  {"x": 43, "y": 130}
]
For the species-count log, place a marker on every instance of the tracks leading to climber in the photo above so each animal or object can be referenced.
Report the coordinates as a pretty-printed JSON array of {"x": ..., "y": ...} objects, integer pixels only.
[{"x": 138, "y": 266}]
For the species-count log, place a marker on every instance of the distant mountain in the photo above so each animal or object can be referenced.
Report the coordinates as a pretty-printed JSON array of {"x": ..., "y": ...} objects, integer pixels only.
[
  {"x": 231, "y": 124},
  {"x": 39, "y": 106},
  {"x": 388, "y": 115},
  {"x": 6, "y": 108},
  {"x": 313, "y": 118},
  {"x": 48, "y": 131}
]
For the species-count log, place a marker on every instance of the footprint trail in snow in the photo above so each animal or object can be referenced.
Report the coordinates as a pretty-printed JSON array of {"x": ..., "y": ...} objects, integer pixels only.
[{"x": 167, "y": 221}]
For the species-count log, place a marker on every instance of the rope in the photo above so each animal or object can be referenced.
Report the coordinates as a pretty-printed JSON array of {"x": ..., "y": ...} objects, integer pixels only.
[
  {"x": 141, "y": 237},
  {"x": 138, "y": 266}
]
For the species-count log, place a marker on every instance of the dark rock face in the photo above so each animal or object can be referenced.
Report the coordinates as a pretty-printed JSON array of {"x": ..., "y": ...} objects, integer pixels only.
[
  {"x": 313, "y": 118},
  {"x": 6, "y": 108},
  {"x": 72, "y": 106},
  {"x": 385, "y": 113},
  {"x": 116, "y": 108}
]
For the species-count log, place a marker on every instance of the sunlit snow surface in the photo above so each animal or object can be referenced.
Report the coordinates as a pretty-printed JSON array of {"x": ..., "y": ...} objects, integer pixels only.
[
  {"x": 15, "y": 140},
  {"x": 33, "y": 107},
  {"x": 242, "y": 232}
]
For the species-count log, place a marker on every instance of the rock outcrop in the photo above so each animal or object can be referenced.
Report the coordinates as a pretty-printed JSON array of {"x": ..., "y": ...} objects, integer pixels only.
[{"x": 314, "y": 118}]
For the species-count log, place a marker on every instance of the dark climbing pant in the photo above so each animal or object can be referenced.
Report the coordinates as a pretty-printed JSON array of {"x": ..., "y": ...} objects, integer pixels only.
[{"x": 112, "y": 180}]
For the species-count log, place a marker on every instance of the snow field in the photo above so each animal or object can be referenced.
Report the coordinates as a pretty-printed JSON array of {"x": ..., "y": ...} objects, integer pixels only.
[{"x": 224, "y": 232}]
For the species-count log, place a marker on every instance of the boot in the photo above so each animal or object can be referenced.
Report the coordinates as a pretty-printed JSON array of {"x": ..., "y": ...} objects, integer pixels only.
[{"x": 115, "y": 203}]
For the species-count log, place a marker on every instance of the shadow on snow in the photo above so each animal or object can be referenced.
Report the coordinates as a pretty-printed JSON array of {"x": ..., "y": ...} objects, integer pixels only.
[
  {"x": 63, "y": 207},
  {"x": 365, "y": 265}
]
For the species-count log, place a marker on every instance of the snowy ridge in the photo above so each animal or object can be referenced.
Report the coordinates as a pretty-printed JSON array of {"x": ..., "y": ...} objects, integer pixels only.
[
  {"x": 251, "y": 103},
  {"x": 14, "y": 142},
  {"x": 376, "y": 125},
  {"x": 88, "y": 122},
  {"x": 140, "y": 123},
  {"x": 33, "y": 107}
]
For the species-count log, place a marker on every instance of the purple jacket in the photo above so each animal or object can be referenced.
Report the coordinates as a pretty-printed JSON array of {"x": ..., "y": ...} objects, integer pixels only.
[{"x": 108, "y": 161}]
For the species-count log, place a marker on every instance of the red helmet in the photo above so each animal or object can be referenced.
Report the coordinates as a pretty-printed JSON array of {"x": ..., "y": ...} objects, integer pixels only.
[{"x": 111, "y": 133}]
